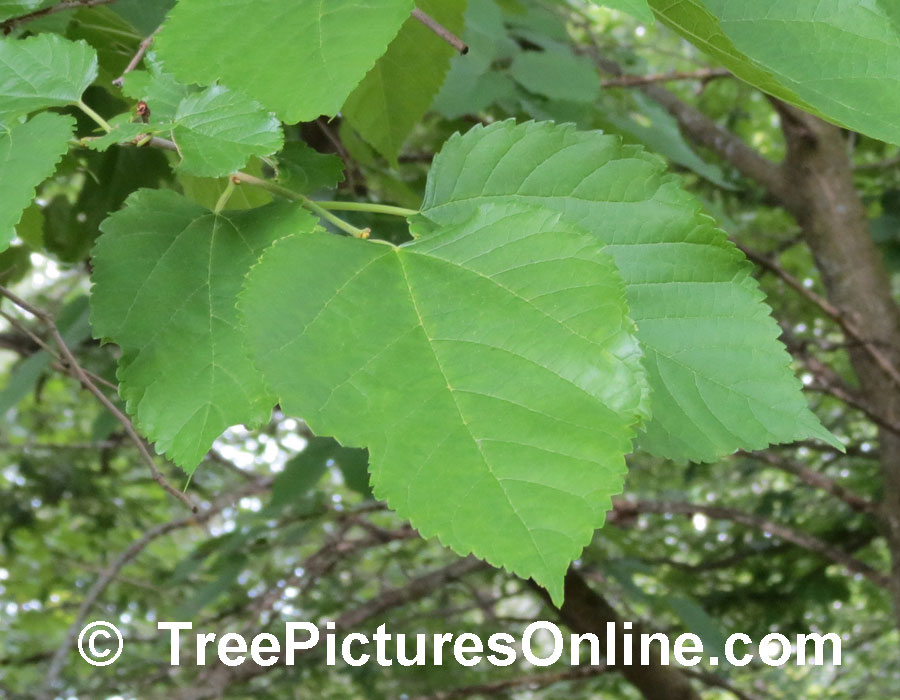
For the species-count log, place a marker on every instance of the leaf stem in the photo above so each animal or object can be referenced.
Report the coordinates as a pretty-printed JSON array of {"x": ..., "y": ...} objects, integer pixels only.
[
  {"x": 226, "y": 195},
  {"x": 314, "y": 207},
  {"x": 105, "y": 125},
  {"x": 369, "y": 207}
]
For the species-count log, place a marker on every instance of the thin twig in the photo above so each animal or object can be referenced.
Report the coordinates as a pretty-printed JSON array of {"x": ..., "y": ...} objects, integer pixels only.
[
  {"x": 441, "y": 31},
  {"x": 8, "y": 25},
  {"x": 638, "y": 80},
  {"x": 816, "y": 480},
  {"x": 136, "y": 59},
  {"x": 69, "y": 362},
  {"x": 58, "y": 365}
]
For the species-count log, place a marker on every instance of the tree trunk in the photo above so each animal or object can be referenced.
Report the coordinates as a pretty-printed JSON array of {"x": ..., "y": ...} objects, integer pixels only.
[{"x": 826, "y": 205}]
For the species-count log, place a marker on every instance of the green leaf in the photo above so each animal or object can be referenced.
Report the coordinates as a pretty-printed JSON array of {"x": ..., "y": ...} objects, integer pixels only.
[
  {"x": 29, "y": 153},
  {"x": 639, "y": 9},
  {"x": 15, "y": 263},
  {"x": 490, "y": 370},
  {"x": 720, "y": 379},
  {"x": 166, "y": 274},
  {"x": 557, "y": 75},
  {"x": 354, "y": 468},
  {"x": 299, "y": 59},
  {"x": 303, "y": 169},
  {"x": 836, "y": 59},
  {"x": 43, "y": 71},
  {"x": 395, "y": 94},
  {"x": 218, "y": 130}
]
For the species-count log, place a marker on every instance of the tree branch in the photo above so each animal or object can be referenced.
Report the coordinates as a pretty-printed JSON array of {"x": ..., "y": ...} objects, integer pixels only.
[
  {"x": 441, "y": 31},
  {"x": 704, "y": 75},
  {"x": 136, "y": 59},
  {"x": 817, "y": 480},
  {"x": 801, "y": 539},
  {"x": 70, "y": 364}
]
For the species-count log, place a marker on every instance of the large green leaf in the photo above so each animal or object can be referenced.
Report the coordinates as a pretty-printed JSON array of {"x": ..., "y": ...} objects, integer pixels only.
[
  {"x": 489, "y": 369},
  {"x": 720, "y": 379},
  {"x": 299, "y": 59},
  {"x": 43, "y": 71},
  {"x": 166, "y": 275},
  {"x": 218, "y": 130},
  {"x": 395, "y": 94},
  {"x": 836, "y": 58},
  {"x": 29, "y": 153}
]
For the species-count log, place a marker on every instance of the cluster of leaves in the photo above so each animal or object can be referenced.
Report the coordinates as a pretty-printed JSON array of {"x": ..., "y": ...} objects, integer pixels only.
[{"x": 563, "y": 299}]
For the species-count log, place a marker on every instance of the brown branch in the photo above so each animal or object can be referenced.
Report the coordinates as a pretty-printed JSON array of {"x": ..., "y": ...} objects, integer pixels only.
[
  {"x": 817, "y": 480},
  {"x": 704, "y": 74},
  {"x": 796, "y": 537},
  {"x": 136, "y": 59},
  {"x": 58, "y": 363},
  {"x": 441, "y": 31},
  {"x": 8, "y": 25},
  {"x": 112, "y": 571},
  {"x": 532, "y": 681},
  {"x": 70, "y": 364}
]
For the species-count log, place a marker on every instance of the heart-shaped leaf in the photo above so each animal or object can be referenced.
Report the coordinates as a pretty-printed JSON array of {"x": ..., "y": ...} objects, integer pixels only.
[{"x": 491, "y": 371}]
